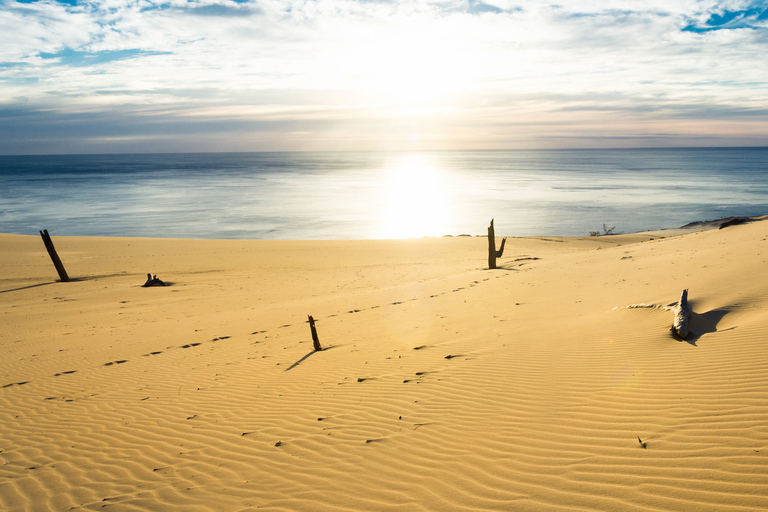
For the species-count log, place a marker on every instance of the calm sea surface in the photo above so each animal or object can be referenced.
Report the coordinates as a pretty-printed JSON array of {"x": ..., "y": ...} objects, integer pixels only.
[{"x": 378, "y": 195}]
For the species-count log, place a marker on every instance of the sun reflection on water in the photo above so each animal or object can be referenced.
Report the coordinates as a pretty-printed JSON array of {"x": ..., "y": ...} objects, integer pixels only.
[{"x": 417, "y": 200}]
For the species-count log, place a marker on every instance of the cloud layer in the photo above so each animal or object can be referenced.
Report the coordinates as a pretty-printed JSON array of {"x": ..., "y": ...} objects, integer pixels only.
[{"x": 212, "y": 75}]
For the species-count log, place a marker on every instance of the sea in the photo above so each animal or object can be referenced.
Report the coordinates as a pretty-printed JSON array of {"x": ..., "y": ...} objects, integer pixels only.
[{"x": 367, "y": 195}]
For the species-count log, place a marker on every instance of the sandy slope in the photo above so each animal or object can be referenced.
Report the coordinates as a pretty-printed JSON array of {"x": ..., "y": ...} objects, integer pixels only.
[{"x": 206, "y": 395}]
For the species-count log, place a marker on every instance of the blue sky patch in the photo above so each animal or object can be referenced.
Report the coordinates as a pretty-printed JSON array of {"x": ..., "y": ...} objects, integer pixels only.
[
  {"x": 70, "y": 57},
  {"x": 728, "y": 20},
  {"x": 479, "y": 7},
  {"x": 67, "y": 2},
  {"x": 221, "y": 10}
]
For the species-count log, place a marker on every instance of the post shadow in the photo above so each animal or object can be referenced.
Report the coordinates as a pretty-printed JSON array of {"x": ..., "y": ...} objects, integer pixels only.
[
  {"x": 704, "y": 323},
  {"x": 27, "y": 287}
]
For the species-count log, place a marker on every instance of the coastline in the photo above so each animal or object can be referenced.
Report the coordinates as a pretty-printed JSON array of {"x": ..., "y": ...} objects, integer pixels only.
[{"x": 443, "y": 385}]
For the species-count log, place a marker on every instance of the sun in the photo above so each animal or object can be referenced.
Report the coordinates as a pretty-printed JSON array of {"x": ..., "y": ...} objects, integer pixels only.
[{"x": 409, "y": 67}]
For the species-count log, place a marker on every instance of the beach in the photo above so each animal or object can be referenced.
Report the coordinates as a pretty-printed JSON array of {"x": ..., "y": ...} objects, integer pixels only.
[{"x": 442, "y": 385}]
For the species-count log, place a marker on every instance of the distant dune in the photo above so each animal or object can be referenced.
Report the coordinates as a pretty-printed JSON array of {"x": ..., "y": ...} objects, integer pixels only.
[{"x": 442, "y": 386}]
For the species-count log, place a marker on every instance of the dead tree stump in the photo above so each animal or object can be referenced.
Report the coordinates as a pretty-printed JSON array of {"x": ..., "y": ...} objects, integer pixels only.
[
  {"x": 153, "y": 281},
  {"x": 682, "y": 312},
  {"x": 492, "y": 252},
  {"x": 54, "y": 257},
  {"x": 315, "y": 340}
]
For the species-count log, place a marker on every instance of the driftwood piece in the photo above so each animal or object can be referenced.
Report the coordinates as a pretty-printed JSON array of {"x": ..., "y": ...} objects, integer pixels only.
[
  {"x": 153, "y": 281},
  {"x": 315, "y": 340},
  {"x": 492, "y": 252},
  {"x": 682, "y": 312},
  {"x": 54, "y": 257}
]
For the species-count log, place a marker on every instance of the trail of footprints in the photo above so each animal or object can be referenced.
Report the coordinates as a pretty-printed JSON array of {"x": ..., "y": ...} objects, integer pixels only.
[{"x": 220, "y": 338}]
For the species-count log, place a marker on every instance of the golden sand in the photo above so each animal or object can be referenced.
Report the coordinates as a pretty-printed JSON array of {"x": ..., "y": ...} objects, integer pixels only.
[{"x": 444, "y": 386}]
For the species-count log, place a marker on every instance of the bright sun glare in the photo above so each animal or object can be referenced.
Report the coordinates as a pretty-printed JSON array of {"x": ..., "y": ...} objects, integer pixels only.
[
  {"x": 413, "y": 67},
  {"x": 416, "y": 199}
]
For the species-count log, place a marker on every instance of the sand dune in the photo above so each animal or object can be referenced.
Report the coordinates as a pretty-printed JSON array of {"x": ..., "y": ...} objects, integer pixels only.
[{"x": 444, "y": 386}]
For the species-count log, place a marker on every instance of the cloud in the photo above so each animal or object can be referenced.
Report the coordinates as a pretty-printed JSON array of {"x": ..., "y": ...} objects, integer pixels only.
[{"x": 298, "y": 74}]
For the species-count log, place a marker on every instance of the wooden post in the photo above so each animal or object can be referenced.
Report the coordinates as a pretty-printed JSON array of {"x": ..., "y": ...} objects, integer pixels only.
[
  {"x": 492, "y": 252},
  {"x": 54, "y": 257},
  {"x": 682, "y": 312},
  {"x": 315, "y": 341}
]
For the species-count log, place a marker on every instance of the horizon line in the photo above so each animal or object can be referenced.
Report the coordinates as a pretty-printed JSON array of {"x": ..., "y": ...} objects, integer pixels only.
[{"x": 629, "y": 148}]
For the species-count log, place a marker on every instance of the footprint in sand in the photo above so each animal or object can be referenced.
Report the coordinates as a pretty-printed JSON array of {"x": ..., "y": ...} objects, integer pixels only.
[
  {"x": 121, "y": 361},
  {"x": 15, "y": 384}
]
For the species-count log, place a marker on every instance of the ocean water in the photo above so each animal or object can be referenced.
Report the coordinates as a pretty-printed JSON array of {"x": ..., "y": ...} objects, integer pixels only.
[{"x": 379, "y": 195}]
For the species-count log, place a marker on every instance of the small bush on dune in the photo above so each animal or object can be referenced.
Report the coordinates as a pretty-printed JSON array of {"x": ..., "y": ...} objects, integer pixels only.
[{"x": 606, "y": 231}]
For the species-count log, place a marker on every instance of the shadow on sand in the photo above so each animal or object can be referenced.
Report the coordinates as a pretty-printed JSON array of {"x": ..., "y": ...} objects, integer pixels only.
[
  {"x": 75, "y": 280},
  {"x": 28, "y": 287},
  {"x": 297, "y": 363},
  {"x": 704, "y": 323}
]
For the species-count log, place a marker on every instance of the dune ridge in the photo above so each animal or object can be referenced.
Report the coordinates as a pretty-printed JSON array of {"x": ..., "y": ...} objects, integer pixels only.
[{"x": 444, "y": 386}]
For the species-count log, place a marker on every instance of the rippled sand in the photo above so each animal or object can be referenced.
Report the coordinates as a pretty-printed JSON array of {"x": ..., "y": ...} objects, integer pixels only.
[{"x": 443, "y": 386}]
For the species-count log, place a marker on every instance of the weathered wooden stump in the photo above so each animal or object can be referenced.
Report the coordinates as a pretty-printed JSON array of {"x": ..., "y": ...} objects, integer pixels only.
[
  {"x": 682, "y": 313},
  {"x": 492, "y": 252},
  {"x": 315, "y": 340},
  {"x": 54, "y": 257},
  {"x": 153, "y": 281}
]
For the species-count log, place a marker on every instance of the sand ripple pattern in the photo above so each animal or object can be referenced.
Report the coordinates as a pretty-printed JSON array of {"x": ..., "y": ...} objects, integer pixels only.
[{"x": 524, "y": 388}]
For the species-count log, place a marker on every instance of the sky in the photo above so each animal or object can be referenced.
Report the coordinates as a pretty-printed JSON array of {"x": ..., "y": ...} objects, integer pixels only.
[{"x": 136, "y": 76}]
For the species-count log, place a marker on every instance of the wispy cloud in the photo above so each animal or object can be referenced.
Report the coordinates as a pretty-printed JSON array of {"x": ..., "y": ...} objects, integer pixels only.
[{"x": 368, "y": 74}]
